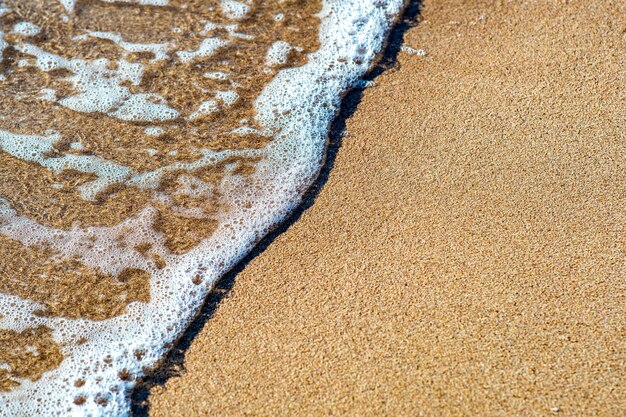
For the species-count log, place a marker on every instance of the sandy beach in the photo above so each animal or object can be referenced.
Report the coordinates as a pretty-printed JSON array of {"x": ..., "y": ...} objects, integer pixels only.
[{"x": 465, "y": 256}]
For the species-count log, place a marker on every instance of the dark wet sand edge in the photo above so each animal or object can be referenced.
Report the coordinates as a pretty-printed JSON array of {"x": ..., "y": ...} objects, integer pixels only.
[{"x": 173, "y": 364}]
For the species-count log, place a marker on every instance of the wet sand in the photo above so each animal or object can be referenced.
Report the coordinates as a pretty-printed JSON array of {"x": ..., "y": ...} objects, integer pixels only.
[{"x": 465, "y": 256}]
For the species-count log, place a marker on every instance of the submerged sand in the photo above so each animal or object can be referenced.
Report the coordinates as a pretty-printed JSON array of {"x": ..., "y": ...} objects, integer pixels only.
[
  {"x": 466, "y": 256},
  {"x": 120, "y": 124}
]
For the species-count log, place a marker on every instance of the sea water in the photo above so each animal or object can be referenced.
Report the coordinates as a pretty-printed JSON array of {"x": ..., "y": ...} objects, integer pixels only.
[{"x": 146, "y": 146}]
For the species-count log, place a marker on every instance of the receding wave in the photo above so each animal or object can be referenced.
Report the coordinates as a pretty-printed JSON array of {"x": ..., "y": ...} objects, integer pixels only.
[{"x": 145, "y": 147}]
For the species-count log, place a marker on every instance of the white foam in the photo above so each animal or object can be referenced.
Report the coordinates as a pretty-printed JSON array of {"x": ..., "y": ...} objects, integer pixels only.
[
  {"x": 206, "y": 107},
  {"x": 68, "y": 4},
  {"x": 228, "y": 97},
  {"x": 206, "y": 48},
  {"x": 3, "y": 44},
  {"x": 154, "y": 130},
  {"x": 413, "y": 51},
  {"x": 159, "y": 50},
  {"x": 278, "y": 53},
  {"x": 142, "y": 2},
  {"x": 216, "y": 75},
  {"x": 48, "y": 94},
  {"x": 145, "y": 107},
  {"x": 234, "y": 9},
  {"x": 35, "y": 147},
  {"x": 100, "y": 86},
  {"x": 26, "y": 29},
  {"x": 299, "y": 104}
]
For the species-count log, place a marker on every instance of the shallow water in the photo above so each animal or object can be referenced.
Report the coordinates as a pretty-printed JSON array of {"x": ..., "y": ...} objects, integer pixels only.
[{"x": 145, "y": 147}]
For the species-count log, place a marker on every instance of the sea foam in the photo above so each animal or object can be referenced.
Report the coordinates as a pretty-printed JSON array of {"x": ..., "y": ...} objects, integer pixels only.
[{"x": 296, "y": 108}]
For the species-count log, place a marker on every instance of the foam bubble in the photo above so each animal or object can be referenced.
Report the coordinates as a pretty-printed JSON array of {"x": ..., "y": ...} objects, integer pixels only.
[
  {"x": 206, "y": 107},
  {"x": 278, "y": 53},
  {"x": 234, "y": 9},
  {"x": 216, "y": 75},
  {"x": 154, "y": 130},
  {"x": 48, "y": 94},
  {"x": 26, "y": 29},
  {"x": 228, "y": 97}
]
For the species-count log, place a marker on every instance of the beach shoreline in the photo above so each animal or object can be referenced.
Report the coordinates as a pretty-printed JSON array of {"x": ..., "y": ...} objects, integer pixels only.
[
  {"x": 146, "y": 148},
  {"x": 173, "y": 364},
  {"x": 465, "y": 252}
]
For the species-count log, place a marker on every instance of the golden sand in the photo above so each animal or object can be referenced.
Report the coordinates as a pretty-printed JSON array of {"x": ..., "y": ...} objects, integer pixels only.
[
  {"x": 29, "y": 353},
  {"x": 467, "y": 254}
]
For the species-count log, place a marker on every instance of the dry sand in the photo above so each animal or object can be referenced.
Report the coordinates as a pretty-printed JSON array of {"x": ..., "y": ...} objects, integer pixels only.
[{"x": 466, "y": 256}]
